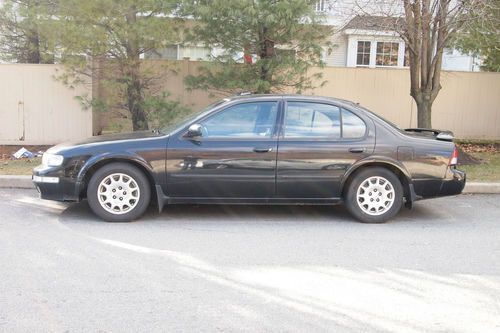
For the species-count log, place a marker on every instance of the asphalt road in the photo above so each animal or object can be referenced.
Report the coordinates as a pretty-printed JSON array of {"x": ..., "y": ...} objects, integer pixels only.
[{"x": 435, "y": 268}]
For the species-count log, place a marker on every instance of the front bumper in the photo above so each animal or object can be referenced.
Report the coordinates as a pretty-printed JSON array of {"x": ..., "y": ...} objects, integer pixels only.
[{"x": 53, "y": 184}]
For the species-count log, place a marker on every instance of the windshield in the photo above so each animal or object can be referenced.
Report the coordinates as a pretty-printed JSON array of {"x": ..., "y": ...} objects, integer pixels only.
[{"x": 183, "y": 120}]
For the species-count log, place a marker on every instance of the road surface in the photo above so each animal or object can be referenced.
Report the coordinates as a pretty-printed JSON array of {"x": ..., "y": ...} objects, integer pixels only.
[{"x": 435, "y": 268}]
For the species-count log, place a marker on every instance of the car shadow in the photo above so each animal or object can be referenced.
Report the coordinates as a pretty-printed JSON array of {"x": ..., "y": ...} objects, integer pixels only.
[
  {"x": 222, "y": 213},
  {"x": 248, "y": 214}
]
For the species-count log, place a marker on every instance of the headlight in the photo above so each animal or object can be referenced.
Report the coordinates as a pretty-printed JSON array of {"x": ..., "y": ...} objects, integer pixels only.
[{"x": 52, "y": 160}]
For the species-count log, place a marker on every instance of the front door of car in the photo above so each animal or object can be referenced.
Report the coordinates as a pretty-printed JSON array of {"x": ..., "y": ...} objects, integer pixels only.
[
  {"x": 234, "y": 157},
  {"x": 317, "y": 145}
]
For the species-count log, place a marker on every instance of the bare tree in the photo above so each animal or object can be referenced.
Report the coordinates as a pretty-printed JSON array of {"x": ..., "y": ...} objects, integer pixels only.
[{"x": 427, "y": 27}]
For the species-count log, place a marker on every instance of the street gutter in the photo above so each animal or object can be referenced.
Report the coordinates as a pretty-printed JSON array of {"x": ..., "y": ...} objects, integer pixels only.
[{"x": 24, "y": 182}]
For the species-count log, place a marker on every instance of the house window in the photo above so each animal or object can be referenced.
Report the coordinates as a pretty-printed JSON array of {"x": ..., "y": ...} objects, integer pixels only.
[
  {"x": 195, "y": 53},
  {"x": 320, "y": 6},
  {"x": 170, "y": 52},
  {"x": 387, "y": 54},
  {"x": 363, "y": 54}
]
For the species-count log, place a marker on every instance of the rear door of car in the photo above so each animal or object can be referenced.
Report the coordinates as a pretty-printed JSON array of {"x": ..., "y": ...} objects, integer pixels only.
[{"x": 318, "y": 142}]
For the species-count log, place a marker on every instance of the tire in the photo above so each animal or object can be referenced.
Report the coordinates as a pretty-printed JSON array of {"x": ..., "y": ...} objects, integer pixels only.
[
  {"x": 119, "y": 192},
  {"x": 374, "y": 195}
]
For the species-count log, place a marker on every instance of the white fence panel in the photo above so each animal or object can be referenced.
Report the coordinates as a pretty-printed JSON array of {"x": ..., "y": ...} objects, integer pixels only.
[{"x": 37, "y": 109}]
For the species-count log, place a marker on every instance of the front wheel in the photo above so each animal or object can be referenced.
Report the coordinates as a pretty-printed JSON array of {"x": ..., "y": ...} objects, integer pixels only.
[
  {"x": 375, "y": 195},
  {"x": 119, "y": 192}
]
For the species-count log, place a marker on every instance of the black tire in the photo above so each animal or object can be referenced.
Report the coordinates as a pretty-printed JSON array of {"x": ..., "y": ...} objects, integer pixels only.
[
  {"x": 363, "y": 211},
  {"x": 141, "y": 189}
]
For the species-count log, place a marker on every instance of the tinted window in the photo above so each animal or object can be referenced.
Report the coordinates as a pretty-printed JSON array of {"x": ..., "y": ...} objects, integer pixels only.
[
  {"x": 247, "y": 120},
  {"x": 304, "y": 119},
  {"x": 352, "y": 126}
]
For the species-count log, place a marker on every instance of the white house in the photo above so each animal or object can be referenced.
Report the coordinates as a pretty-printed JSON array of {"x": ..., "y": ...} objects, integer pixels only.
[{"x": 366, "y": 40}]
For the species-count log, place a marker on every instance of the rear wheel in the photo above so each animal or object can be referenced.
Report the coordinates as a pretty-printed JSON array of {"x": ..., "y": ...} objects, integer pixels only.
[
  {"x": 375, "y": 195},
  {"x": 119, "y": 192}
]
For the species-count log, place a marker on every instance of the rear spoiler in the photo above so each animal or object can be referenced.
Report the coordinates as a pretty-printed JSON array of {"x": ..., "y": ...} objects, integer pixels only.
[{"x": 439, "y": 134}]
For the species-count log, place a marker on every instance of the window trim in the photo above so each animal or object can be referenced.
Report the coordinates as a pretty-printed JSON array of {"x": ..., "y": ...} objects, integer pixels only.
[
  {"x": 369, "y": 52},
  {"x": 320, "y": 6},
  {"x": 383, "y": 54},
  {"x": 281, "y": 134},
  {"x": 352, "y": 50}
]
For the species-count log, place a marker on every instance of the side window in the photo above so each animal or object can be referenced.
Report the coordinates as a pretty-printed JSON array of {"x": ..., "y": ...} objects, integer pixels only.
[
  {"x": 246, "y": 120},
  {"x": 352, "y": 126},
  {"x": 304, "y": 119}
]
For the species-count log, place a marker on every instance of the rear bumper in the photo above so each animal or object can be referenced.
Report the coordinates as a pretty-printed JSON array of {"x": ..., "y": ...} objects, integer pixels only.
[
  {"x": 452, "y": 184},
  {"x": 52, "y": 184}
]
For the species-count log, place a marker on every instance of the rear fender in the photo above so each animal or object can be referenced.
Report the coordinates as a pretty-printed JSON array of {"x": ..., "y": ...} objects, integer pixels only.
[{"x": 388, "y": 163}]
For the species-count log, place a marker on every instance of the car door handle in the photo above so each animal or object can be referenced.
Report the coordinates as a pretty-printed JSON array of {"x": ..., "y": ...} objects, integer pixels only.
[
  {"x": 262, "y": 150},
  {"x": 356, "y": 150}
]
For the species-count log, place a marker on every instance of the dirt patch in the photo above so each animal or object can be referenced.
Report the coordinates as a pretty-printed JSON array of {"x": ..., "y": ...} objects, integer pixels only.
[
  {"x": 466, "y": 158},
  {"x": 466, "y": 151},
  {"x": 480, "y": 148}
]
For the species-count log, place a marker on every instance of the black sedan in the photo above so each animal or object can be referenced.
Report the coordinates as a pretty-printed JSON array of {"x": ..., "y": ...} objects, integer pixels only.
[{"x": 258, "y": 149}]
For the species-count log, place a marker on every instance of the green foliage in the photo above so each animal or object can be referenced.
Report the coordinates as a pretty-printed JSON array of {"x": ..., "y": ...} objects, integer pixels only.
[
  {"x": 162, "y": 111},
  {"x": 284, "y": 38},
  {"x": 104, "y": 39},
  {"x": 481, "y": 34},
  {"x": 22, "y": 36},
  {"x": 89, "y": 103}
]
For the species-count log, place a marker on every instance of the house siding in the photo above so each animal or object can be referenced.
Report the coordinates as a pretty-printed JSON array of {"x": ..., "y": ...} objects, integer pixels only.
[{"x": 338, "y": 55}]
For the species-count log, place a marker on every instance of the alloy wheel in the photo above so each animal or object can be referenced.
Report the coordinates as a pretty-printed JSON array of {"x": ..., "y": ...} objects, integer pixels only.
[
  {"x": 375, "y": 195},
  {"x": 118, "y": 193}
]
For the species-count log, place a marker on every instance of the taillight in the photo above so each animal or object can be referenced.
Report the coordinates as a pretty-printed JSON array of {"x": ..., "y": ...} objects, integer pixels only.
[{"x": 454, "y": 157}]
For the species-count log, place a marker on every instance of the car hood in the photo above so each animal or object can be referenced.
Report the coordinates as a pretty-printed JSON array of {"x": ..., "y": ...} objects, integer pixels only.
[{"x": 104, "y": 139}]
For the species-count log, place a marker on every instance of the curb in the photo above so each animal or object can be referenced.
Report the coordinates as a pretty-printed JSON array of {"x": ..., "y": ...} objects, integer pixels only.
[
  {"x": 14, "y": 181},
  {"x": 482, "y": 188}
]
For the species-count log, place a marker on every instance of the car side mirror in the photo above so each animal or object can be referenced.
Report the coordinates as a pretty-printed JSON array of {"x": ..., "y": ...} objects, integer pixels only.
[{"x": 194, "y": 131}]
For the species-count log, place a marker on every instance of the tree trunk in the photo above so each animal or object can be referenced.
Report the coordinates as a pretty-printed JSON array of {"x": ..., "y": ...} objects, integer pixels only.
[
  {"x": 132, "y": 64},
  {"x": 33, "y": 48},
  {"x": 424, "y": 114},
  {"x": 135, "y": 102},
  {"x": 266, "y": 53},
  {"x": 33, "y": 54}
]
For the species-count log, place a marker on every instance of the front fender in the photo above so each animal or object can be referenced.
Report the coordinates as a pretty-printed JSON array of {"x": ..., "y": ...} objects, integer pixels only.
[{"x": 115, "y": 157}]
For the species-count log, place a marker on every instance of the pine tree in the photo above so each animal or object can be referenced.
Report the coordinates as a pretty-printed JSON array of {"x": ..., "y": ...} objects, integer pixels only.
[{"x": 261, "y": 46}]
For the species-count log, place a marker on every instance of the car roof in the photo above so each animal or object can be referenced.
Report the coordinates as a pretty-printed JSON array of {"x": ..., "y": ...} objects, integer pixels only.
[{"x": 339, "y": 101}]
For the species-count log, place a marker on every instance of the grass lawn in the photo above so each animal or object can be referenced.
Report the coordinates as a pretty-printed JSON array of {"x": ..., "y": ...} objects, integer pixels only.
[
  {"x": 18, "y": 167},
  {"x": 488, "y": 171}
]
